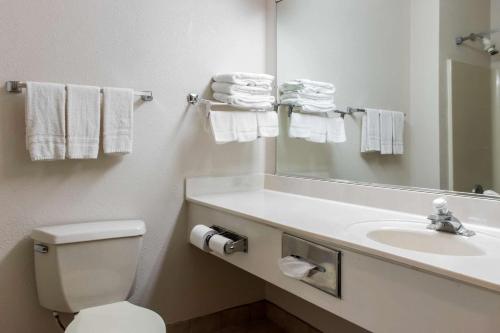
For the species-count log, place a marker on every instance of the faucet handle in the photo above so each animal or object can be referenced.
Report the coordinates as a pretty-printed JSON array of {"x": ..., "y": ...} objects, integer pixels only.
[{"x": 440, "y": 206}]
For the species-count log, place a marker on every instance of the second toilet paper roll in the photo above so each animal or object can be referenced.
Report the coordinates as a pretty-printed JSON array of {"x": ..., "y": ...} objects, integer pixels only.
[
  {"x": 199, "y": 236},
  {"x": 217, "y": 243}
]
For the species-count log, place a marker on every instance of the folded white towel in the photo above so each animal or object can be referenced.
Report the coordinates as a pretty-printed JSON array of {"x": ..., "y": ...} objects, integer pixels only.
[
  {"x": 318, "y": 129},
  {"x": 299, "y": 126},
  {"x": 307, "y": 96},
  {"x": 222, "y": 125},
  {"x": 245, "y": 79},
  {"x": 310, "y": 106},
  {"x": 386, "y": 133},
  {"x": 370, "y": 131},
  {"x": 246, "y": 125},
  {"x": 267, "y": 123},
  {"x": 84, "y": 121},
  {"x": 118, "y": 120},
  {"x": 45, "y": 121},
  {"x": 231, "y": 88},
  {"x": 308, "y": 85},
  {"x": 335, "y": 130},
  {"x": 257, "y": 102},
  {"x": 398, "y": 120}
]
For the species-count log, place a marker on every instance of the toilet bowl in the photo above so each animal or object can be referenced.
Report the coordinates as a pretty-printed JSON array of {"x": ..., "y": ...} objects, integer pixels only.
[
  {"x": 89, "y": 269},
  {"x": 120, "y": 317}
]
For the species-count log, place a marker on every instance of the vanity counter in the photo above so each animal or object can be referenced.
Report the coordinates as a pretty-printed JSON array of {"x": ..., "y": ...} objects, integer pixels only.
[{"x": 330, "y": 222}]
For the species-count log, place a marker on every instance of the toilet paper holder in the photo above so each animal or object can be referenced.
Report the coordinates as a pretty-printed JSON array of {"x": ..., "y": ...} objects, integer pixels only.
[{"x": 238, "y": 242}]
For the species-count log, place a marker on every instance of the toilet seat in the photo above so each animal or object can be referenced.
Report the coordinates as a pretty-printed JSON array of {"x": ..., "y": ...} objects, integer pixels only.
[{"x": 120, "y": 317}]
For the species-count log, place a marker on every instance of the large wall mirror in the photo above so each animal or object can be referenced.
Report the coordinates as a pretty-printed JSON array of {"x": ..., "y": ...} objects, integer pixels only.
[{"x": 435, "y": 61}]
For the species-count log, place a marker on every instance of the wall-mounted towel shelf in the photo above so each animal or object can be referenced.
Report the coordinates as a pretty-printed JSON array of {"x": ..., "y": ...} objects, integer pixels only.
[
  {"x": 16, "y": 87},
  {"x": 348, "y": 111},
  {"x": 194, "y": 99}
]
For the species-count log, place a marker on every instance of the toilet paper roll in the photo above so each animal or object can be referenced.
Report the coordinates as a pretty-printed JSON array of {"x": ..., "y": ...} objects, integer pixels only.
[
  {"x": 217, "y": 243},
  {"x": 199, "y": 235}
]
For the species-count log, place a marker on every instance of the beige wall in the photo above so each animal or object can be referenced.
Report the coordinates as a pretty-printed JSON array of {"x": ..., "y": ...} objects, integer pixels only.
[{"x": 171, "y": 48}]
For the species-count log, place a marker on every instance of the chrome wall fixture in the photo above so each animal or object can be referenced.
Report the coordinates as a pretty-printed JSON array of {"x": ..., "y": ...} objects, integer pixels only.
[{"x": 16, "y": 87}]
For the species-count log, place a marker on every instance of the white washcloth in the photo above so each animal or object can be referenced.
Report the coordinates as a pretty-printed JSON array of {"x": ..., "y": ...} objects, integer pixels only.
[
  {"x": 299, "y": 126},
  {"x": 267, "y": 124},
  {"x": 84, "y": 121},
  {"x": 257, "y": 102},
  {"x": 370, "y": 131},
  {"x": 246, "y": 125},
  {"x": 118, "y": 120},
  {"x": 318, "y": 129},
  {"x": 45, "y": 121},
  {"x": 308, "y": 85},
  {"x": 222, "y": 125},
  {"x": 307, "y": 96},
  {"x": 386, "y": 132},
  {"x": 335, "y": 130},
  {"x": 398, "y": 123},
  {"x": 231, "y": 88},
  {"x": 245, "y": 79}
]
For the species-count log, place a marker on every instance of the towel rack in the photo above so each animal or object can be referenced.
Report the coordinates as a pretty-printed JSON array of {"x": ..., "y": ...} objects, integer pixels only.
[
  {"x": 194, "y": 99},
  {"x": 349, "y": 110},
  {"x": 16, "y": 87}
]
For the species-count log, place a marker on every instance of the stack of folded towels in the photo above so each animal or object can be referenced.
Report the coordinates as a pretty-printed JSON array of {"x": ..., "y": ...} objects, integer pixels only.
[
  {"x": 250, "y": 92},
  {"x": 316, "y": 121}
]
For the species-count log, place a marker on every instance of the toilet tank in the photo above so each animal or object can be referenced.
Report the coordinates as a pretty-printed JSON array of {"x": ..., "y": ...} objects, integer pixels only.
[{"x": 82, "y": 265}]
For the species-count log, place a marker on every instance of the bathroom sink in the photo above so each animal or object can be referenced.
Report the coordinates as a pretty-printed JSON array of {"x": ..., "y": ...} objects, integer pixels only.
[{"x": 414, "y": 236}]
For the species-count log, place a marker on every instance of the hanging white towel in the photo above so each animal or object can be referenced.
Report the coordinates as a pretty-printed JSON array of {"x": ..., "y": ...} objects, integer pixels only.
[
  {"x": 256, "y": 102},
  {"x": 370, "y": 131},
  {"x": 45, "y": 121},
  {"x": 245, "y": 79},
  {"x": 267, "y": 124},
  {"x": 222, "y": 125},
  {"x": 84, "y": 121},
  {"x": 299, "y": 126},
  {"x": 246, "y": 125},
  {"x": 318, "y": 129},
  {"x": 386, "y": 132},
  {"x": 398, "y": 120},
  {"x": 118, "y": 120},
  {"x": 231, "y": 88},
  {"x": 335, "y": 130}
]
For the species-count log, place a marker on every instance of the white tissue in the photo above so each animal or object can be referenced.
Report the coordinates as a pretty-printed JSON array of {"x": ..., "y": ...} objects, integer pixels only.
[
  {"x": 217, "y": 243},
  {"x": 199, "y": 235},
  {"x": 294, "y": 267}
]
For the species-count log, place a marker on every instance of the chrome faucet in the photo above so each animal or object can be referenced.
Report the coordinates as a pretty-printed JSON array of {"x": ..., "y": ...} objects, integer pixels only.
[{"x": 443, "y": 220}]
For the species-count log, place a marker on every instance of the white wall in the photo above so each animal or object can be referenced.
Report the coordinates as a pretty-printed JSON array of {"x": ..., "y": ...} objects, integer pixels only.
[{"x": 171, "y": 48}]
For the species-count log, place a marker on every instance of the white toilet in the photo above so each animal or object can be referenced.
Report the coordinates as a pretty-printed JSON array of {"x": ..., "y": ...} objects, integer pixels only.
[{"x": 89, "y": 269}]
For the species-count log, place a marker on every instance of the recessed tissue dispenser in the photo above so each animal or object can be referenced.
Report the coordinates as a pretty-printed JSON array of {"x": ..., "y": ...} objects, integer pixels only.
[{"x": 324, "y": 263}]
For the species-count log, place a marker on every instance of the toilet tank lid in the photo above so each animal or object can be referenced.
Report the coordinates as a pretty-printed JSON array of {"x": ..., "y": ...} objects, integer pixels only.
[{"x": 90, "y": 231}]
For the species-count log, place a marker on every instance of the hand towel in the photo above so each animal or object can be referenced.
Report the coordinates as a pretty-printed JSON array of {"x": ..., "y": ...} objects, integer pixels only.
[
  {"x": 118, "y": 120},
  {"x": 246, "y": 125},
  {"x": 318, "y": 129},
  {"x": 84, "y": 121},
  {"x": 223, "y": 127},
  {"x": 370, "y": 131},
  {"x": 45, "y": 121},
  {"x": 335, "y": 130},
  {"x": 252, "y": 102},
  {"x": 267, "y": 124},
  {"x": 231, "y": 88},
  {"x": 245, "y": 79},
  {"x": 398, "y": 121},
  {"x": 310, "y": 106},
  {"x": 299, "y": 126},
  {"x": 307, "y": 96},
  {"x": 386, "y": 133}
]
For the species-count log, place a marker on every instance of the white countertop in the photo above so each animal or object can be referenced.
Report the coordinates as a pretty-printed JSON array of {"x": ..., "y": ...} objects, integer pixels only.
[{"x": 328, "y": 221}]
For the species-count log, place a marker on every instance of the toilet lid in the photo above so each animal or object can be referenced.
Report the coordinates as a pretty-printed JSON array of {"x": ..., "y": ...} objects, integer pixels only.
[{"x": 121, "y": 317}]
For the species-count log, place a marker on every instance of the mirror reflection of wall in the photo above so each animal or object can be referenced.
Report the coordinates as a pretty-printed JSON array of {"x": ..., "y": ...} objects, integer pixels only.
[{"x": 398, "y": 55}]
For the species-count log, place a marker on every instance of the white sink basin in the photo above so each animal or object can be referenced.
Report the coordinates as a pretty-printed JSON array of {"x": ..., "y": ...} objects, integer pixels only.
[{"x": 413, "y": 236}]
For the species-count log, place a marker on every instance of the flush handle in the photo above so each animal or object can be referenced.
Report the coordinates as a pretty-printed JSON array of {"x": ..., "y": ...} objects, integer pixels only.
[{"x": 40, "y": 248}]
